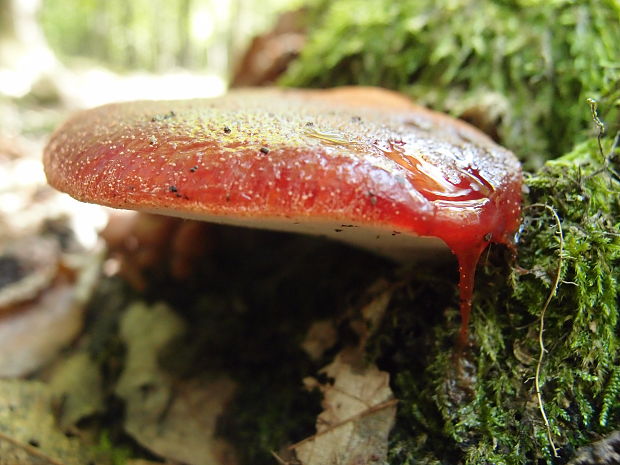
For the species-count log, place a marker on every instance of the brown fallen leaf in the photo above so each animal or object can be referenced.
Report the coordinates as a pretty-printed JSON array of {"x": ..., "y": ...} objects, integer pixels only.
[
  {"x": 321, "y": 336},
  {"x": 28, "y": 433},
  {"x": 185, "y": 432},
  {"x": 34, "y": 262},
  {"x": 359, "y": 412},
  {"x": 76, "y": 385},
  {"x": 32, "y": 336},
  {"x": 373, "y": 312},
  {"x": 173, "y": 419},
  {"x": 45, "y": 307}
]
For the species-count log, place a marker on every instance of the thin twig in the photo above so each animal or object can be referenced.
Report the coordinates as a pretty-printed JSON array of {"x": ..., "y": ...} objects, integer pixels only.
[
  {"x": 599, "y": 124},
  {"x": 554, "y": 288},
  {"x": 601, "y": 131},
  {"x": 29, "y": 449}
]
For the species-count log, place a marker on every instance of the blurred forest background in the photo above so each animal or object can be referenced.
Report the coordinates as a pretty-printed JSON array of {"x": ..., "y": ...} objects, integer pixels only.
[
  {"x": 40, "y": 40},
  {"x": 154, "y": 35}
]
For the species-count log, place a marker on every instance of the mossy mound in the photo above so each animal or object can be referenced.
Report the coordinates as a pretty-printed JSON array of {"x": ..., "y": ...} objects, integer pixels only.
[
  {"x": 520, "y": 69},
  {"x": 481, "y": 406}
]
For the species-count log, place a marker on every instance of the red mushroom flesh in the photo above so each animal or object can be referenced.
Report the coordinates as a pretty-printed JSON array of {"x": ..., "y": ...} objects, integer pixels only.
[{"x": 363, "y": 165}]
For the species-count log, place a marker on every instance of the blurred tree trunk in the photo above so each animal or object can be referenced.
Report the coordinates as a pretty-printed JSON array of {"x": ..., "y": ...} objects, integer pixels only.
[
  {"x": 158, "y": 20},
  {"x": 130, "y": 57},
  {"x": 7, "y": 22},
  {"x": 99, "y": 41},
  {"x": 24, "y": 52},
  {"x": 184, "y": 56},
  {"x": 232, "y": 39},
  {"x": 8, "y": 32}
]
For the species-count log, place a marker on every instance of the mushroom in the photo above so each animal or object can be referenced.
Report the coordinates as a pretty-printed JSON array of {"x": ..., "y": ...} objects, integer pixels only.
[{"x": 358, "y": 164}]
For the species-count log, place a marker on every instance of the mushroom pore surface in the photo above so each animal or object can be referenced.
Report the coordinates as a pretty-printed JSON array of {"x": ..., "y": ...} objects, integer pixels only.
[{"x": 364, "y": 165}]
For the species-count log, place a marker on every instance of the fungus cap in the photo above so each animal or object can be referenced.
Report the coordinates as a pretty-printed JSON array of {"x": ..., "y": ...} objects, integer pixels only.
[{"x": 363, "y": 165}]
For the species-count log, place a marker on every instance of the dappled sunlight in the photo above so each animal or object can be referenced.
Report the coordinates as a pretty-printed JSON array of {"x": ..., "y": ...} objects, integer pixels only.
[
  {"x": 97, "y": 86},
  {"x": 16, "y": 81}
]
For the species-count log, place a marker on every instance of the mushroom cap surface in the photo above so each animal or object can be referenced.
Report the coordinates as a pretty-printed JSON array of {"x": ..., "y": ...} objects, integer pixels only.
[{"x": 363, "y": 165}]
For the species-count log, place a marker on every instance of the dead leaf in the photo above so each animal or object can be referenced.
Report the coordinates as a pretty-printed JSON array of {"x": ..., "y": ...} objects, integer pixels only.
[
  {"x": 28, "y": 433},
  {"x": 29, "y": 338},
  {"x": 359, "y": 407},
  {"x": 359, "y": 412},
  {"x": 35, "y": 261},
  {"x": 374, "y": 311},
  {"x": 321, "y": 336},
  {"x": 368, "y": 320},
  {"x": 146, "y": 331},
  {"x": 176, "y": 420},
  {"x": 33, "y": 332},
  {"x": 186, "y": 430},
  {"x": 76, "y": 386}
]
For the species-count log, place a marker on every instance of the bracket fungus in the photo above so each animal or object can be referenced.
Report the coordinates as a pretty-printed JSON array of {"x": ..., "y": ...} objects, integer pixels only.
[{"x": 362, "y": 165}]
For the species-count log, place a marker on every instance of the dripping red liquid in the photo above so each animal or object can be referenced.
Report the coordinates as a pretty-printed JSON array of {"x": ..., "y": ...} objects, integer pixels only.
[{"x": 466, "y": 188}]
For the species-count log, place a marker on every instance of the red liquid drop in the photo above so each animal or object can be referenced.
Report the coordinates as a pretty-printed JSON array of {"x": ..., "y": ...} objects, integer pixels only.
[{"x": 461, "y": 187}]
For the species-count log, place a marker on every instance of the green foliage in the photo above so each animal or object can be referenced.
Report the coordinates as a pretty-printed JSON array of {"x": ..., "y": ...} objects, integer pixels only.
[
  {"x": 524, "y": 66},
  {"x": 119, "y": 455},
  {"x": 122, "y": 34},
  {"x": 156, "y": 35},
  {"x": 480, "y": 406}
]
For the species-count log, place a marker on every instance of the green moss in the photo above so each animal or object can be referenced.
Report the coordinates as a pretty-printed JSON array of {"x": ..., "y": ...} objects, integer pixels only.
[
  {"x": 119, "y": 455},
  {"x": 519, "y": 67},
  {"x": 481, "y": 407}
]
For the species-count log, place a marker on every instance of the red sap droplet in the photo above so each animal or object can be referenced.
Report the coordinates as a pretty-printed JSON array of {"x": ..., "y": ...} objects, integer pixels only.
[
  {"x": 467, "y": 260},
  {"x": 457, "y": 185}
]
